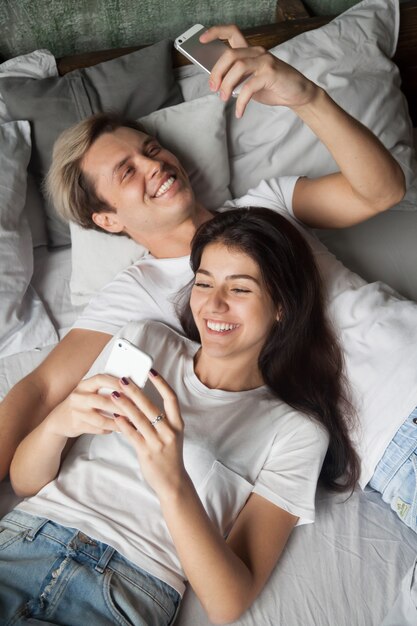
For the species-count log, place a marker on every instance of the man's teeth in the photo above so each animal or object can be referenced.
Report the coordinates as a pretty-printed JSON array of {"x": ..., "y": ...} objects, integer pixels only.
[
  {"x": 163, "y": 188},
  {"x": 221, "y": 327}
]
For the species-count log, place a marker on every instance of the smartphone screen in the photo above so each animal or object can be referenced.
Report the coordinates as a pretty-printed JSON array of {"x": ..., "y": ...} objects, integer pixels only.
[{"x": 205, "y": 55}]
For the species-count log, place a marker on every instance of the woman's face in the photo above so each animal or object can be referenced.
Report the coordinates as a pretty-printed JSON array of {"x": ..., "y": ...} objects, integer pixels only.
[{"x": 230, "y": 304}]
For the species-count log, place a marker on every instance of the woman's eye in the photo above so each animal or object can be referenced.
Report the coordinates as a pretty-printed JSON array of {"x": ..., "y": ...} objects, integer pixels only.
[
  {"x": 200, "y": 284},
  {"x": 240, "y": 290}
]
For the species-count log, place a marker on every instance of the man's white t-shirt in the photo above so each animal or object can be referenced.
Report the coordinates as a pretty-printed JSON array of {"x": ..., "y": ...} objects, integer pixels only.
[
  {"x": 378, "y": 329},
  {"x": 235, "y": 443}
]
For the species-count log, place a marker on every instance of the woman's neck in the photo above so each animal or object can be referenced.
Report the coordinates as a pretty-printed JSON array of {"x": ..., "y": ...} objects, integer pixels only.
[{"x": 226, "y": 374}]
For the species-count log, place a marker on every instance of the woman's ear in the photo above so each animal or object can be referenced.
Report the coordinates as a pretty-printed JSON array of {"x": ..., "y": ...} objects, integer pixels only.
[
  {"x": 108, "y": 221},
  {"x": 278, "y": 316}
]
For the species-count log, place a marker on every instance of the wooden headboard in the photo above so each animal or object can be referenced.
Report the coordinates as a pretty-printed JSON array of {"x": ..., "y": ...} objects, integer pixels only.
[{"x": 294, "y": 19}]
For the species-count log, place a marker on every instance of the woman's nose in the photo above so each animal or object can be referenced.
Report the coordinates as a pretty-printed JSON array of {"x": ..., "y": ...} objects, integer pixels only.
[{"x": 218, "y": 301}]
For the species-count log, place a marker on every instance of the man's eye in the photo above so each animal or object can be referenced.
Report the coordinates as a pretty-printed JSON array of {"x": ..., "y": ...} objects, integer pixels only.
[
  {"x": 153, "y": 150},
  {"x": 128, "y": 172}
]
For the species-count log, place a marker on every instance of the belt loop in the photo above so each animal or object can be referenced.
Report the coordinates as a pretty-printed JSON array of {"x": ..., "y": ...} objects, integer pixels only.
[
  {"x": 36, "y": 528},
  {"x": 105, "y": 558}
]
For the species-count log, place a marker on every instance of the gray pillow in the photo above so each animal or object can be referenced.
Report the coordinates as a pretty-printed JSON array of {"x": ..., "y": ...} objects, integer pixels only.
[
  {"x": 24, "y": 322},
  {"x": 135, "y": 84}
]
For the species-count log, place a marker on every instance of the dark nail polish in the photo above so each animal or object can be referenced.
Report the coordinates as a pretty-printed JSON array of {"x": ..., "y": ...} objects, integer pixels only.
[
  {"x": 124, "y": 380},
  {"x": 153, "y": 372},
  {"x": 115, "y": 394}
]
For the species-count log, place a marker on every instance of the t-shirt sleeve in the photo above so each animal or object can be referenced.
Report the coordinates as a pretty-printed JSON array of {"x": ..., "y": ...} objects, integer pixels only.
[
  {"x": 275, "y": 194},
  {"x": 121, "y": 301},
  {"x": 291, "y": 471}
]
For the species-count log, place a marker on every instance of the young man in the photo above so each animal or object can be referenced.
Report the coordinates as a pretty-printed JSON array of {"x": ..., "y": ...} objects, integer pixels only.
[{"x": 132, "y": 185}]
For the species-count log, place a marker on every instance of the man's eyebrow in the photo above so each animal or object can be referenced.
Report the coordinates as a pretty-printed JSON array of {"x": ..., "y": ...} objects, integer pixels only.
[
  {"x": 231, "y": 276},
  {"x": 123, "y": 161}
]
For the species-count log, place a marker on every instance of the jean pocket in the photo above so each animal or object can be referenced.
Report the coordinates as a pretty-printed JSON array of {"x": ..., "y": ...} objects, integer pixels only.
[
  {"x": 131, "y": 601},
  {"x": 223, "y": 494},
  {"x": 8, "y": 536}
]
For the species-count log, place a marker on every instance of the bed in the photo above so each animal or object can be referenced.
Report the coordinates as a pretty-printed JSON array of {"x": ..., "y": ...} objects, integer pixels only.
[{"x": 348, "y": 567}]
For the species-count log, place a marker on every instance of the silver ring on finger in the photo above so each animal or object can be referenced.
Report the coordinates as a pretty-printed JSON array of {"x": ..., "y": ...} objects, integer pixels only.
[{"x": 158, "y": 418}]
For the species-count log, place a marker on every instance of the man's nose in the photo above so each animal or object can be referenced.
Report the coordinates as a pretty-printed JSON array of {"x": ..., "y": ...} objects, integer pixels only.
[{"x": 150, "y": 165}]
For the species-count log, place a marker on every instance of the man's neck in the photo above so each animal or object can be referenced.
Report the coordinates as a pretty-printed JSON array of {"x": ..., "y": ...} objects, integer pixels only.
[{"x": 178, "y": 243}]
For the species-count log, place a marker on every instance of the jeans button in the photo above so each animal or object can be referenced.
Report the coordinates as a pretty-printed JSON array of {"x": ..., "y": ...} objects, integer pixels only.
[
  {"x": 414, "y": 420},
  {"x": 84, "y": 539}
]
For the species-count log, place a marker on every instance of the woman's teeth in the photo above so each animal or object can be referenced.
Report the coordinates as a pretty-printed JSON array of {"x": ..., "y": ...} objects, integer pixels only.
[{"x": 221, "y": 327}]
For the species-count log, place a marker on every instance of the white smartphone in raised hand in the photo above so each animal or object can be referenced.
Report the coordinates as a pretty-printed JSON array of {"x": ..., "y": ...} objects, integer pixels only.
[
  {"x": 205, "y": 55},
  {"x": 125, "y": 359}
]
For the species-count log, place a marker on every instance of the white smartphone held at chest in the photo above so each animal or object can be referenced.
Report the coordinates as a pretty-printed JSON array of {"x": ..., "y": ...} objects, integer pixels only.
[
  {"x": 205, "y": 55},
  {"x": 125, "y": 359}
]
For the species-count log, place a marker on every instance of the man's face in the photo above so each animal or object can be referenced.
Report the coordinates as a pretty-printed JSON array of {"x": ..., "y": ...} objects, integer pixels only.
[{"x": 145, "y": 184}]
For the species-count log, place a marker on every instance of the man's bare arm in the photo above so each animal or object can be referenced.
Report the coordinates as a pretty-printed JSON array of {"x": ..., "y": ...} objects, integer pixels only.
[
  {"x": 370, "y": 180},
  {"x": 34, "y": 397}
]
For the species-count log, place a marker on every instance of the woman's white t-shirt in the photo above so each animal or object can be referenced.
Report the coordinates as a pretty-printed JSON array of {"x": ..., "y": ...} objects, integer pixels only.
[
  {"x": 235, "y": 443},
  {"x": 377, "y": 327}
]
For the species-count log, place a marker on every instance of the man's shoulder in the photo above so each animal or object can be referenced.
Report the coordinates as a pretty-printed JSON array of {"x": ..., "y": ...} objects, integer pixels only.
[{"x": 273, "y": 193}]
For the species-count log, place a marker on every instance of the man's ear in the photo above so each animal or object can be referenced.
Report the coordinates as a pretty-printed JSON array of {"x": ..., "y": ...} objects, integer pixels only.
[{"x": 107, "y": 221}]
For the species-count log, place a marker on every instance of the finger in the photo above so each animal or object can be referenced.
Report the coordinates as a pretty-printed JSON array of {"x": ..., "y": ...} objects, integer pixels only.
[
  {"x": 127, "y": 408},
  {"x": 169, "y": 398},
  {"x": 228, "y": 32},
  {"x": 248, "y": 91},
  {"x": 139, "y": 398},
  {"x": 95, "y": 419},
  {"x": 232, "y": 67},
  {"x": 129, "y": 431},
  {"x": 100, "y": 381}
]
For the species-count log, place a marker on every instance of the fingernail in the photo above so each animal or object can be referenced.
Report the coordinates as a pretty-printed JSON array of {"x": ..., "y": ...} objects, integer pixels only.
[
  {"x": 116, "y": 415},
  {"x": 223, "y": 95},
  {"x": 124, "y": 380},
  {"x": 153, "y": 372},
  {"x": 115, "y": 394}
]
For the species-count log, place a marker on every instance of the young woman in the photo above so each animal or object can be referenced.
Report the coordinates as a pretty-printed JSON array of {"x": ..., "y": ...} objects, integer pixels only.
[{"x": 215, "y": 461}]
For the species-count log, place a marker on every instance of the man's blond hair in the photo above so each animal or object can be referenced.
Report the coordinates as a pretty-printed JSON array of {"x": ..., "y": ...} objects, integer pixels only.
[{"x": 71, "y": 192}]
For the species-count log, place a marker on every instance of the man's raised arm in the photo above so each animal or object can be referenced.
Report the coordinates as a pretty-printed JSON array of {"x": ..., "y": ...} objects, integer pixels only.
[{"x": 369, "y": 181}]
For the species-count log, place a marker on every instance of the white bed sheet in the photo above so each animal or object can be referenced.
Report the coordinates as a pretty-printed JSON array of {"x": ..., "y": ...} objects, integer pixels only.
[
  {"x": 344, "y": 570},
  {"x": 51, "y": 282}
]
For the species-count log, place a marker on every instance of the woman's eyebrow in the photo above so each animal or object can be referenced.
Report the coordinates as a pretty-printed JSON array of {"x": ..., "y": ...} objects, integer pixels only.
[{"x": 231, "y": 276}]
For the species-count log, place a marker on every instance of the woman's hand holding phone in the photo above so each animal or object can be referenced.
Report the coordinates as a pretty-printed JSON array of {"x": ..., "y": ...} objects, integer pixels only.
[
  {"x": 84, "y": 411},
  {"x": 156, "y": 434}
]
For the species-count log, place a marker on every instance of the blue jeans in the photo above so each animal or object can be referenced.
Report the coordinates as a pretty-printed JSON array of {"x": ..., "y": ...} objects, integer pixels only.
[
  {"x": 395, "y": 476},
  {"x": 50, "y": 574}
]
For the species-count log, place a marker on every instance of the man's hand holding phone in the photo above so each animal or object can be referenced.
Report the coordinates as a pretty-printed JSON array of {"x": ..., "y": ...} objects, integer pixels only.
[{"x": 251, "y": 72}]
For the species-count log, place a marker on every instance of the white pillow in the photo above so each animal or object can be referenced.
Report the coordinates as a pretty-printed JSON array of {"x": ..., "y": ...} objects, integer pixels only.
[
  {"x": 37, "y": 64},
  {"x": 349, "y": 58},
  {"x": 196, "y": 132},
  {"x": 24, "y": 323}
]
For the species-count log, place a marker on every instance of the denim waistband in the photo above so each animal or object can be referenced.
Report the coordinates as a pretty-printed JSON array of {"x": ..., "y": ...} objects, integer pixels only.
[
  {"x": 401, "y": 446},
  {"x": 99, "y": 554}
]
